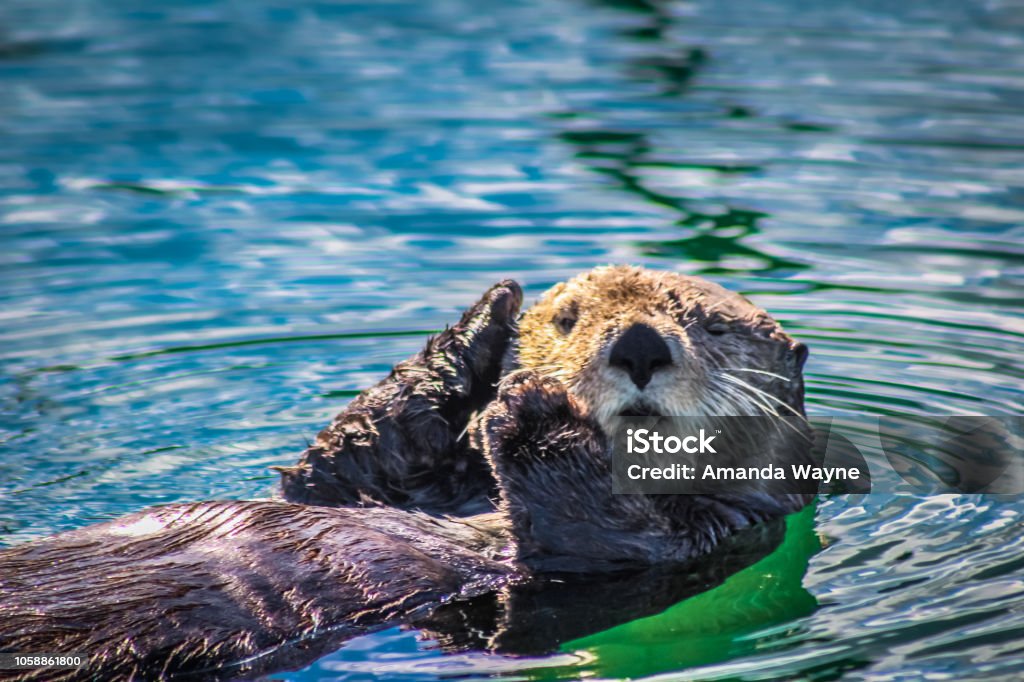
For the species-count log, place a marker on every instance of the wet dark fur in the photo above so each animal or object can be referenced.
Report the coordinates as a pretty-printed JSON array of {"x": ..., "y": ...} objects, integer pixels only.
[
  {"x": 553, "y": 466},
  {"x": 232, "y": 589},
  {"x": 196, "y": 585},
  {"x": 402, "y": 443}
]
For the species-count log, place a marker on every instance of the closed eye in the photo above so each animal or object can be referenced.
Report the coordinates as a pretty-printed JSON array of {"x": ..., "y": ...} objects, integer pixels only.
[
  {"x": 564, "y": 321},
  {"x": 717, "y": 327}
]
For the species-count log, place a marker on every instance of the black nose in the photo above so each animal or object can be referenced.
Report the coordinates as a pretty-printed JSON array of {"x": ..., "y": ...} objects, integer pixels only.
[{"x": 640, "y": 350}]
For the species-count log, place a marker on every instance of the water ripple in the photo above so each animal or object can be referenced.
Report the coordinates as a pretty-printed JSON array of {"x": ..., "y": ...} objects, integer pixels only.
[{"x": 220, "y": 222}]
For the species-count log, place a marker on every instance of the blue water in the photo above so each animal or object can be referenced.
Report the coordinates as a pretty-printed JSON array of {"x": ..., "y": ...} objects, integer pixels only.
[{"x": 221, "y": 220}]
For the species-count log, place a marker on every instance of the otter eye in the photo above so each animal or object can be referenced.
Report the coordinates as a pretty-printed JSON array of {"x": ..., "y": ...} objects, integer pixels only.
[
  {"x": 564, "y": 321},
  {"x": 717, "y": 327}
]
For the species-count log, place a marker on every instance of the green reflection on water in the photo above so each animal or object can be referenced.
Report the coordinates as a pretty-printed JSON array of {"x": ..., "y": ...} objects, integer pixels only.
[{"x": 713, "y": 626}]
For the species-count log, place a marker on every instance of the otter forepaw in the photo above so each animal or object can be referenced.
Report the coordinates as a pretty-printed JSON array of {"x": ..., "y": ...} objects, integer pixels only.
[
  {"x": 401, "y": 442},
  {"x": 550, "y": 458},
  {"x": 532, "y": 416},
  {"x": 476, "y": 345},
  {"x": 536, "y": 398}
]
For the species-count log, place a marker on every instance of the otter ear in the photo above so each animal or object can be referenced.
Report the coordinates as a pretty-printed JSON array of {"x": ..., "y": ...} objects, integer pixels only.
[{"x": 799, "y": 354}]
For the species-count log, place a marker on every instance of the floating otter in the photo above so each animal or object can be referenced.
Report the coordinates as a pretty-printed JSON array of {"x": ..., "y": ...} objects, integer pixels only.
[
  {"x": 437, "y": 485},
  {"x": 613, "y": 342}
]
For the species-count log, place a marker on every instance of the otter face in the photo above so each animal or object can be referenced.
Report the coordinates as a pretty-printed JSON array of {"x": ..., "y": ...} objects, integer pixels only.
[{"x": 628, "y": 342}]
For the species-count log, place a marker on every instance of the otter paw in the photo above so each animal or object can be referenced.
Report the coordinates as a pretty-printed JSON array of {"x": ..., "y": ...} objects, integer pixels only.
[
  {"x": 495, "y": 311},
  {"x": 476, "y": 345},
  {"x": 496, "y": 308},
  {"x": 531, "y": 413},
  {"x": 533, "y": 396},
  {"x": 501, "y": 302}
]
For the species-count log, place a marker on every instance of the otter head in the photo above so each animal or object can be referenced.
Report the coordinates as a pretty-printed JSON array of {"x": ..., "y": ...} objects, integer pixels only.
[{"x": 627, "y": 341}]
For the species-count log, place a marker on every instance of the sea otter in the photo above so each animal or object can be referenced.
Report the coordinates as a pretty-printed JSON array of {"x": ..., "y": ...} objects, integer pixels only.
[
  {"x": 614, "y": 342},
  {"x": 458, "y": 475}
]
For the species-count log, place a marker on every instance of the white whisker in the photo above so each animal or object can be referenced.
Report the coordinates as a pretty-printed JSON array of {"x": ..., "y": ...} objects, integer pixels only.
[
  {"x": 756, "y": 371},
  {"x": 764, "y": 394},
  {"x": 752, "y": 391}
]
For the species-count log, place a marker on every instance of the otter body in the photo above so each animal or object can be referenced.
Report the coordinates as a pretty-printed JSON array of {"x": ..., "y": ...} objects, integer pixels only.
[
  {"x": 180, "y": 588},
  {"x": 481, "y": 462}
]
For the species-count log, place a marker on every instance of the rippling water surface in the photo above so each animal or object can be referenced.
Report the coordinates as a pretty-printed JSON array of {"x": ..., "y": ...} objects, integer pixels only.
[{"x": 219, "y": 221}]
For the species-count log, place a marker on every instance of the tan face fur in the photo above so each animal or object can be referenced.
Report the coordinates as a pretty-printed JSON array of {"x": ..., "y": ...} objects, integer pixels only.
[{"x": 721, "y": 354}]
